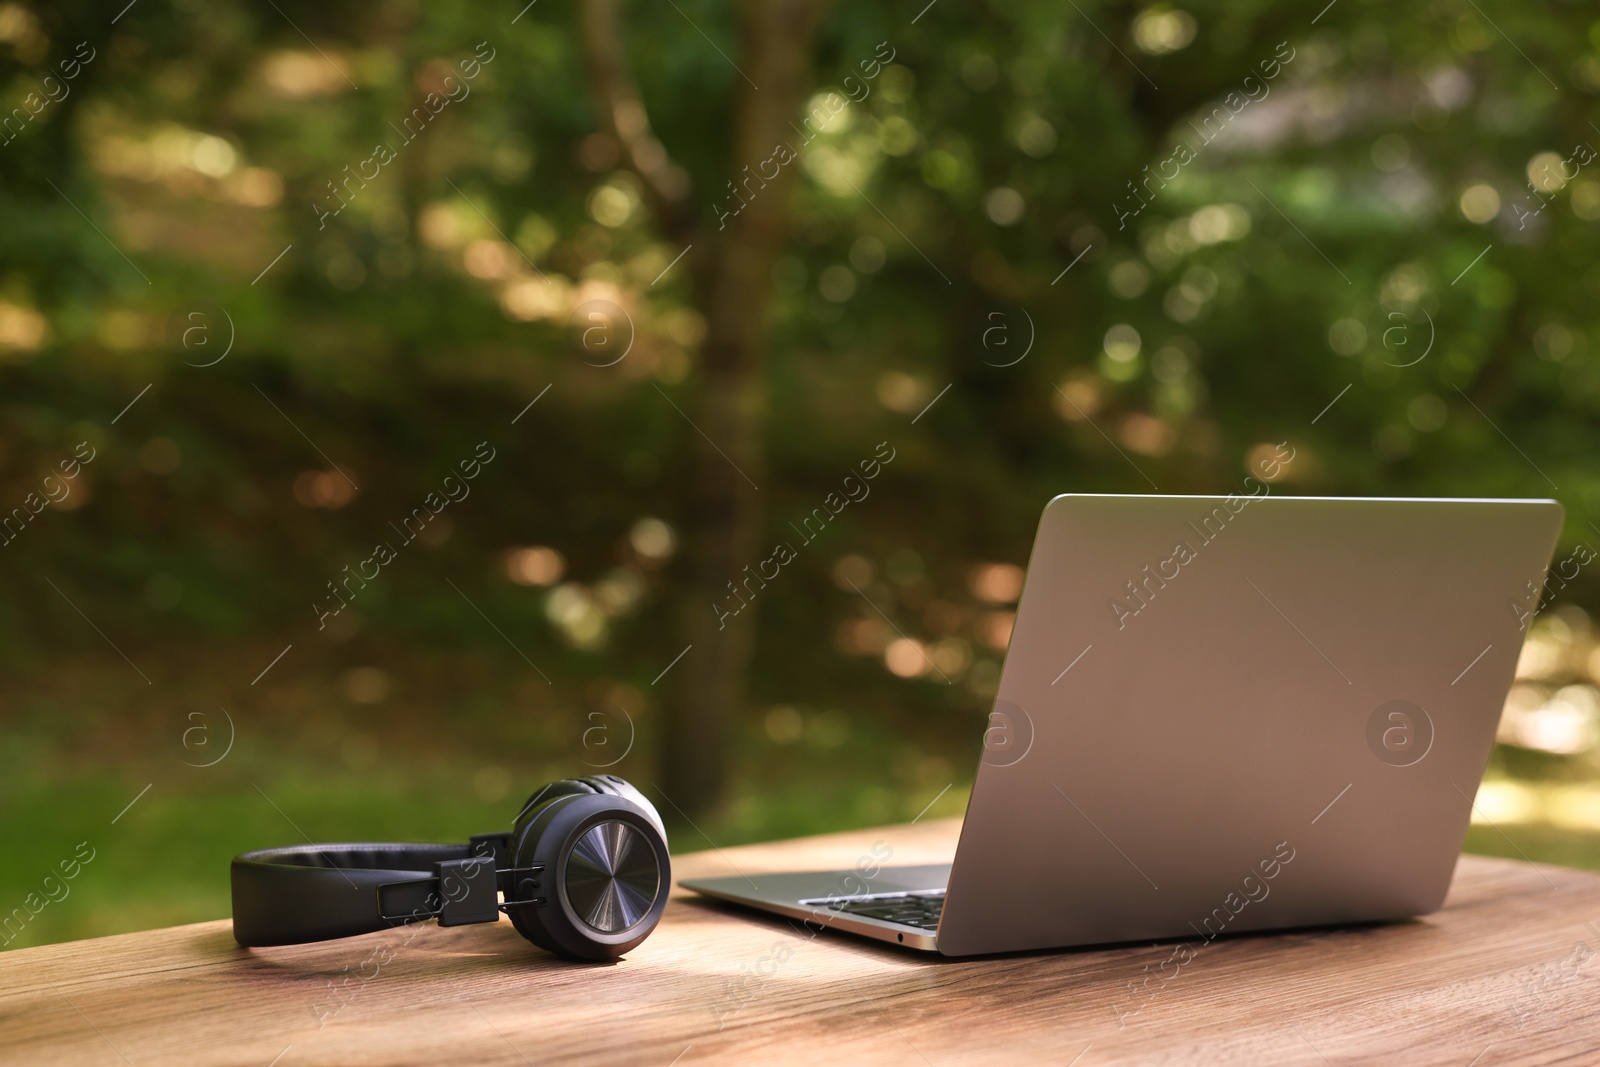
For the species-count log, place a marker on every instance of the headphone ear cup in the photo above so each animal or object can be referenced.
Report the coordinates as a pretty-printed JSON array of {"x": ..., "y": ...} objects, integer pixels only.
[
  {"x": 606, "y": 877},
  {"x": 621, "y": 787}
]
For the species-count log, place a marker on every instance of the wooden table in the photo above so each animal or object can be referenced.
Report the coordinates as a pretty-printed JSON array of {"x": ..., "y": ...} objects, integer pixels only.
[{"x": 1506, "y": 973}]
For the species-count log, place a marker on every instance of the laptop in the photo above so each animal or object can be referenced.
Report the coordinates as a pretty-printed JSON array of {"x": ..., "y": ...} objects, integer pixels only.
[{"x": 1218, "y": 715}]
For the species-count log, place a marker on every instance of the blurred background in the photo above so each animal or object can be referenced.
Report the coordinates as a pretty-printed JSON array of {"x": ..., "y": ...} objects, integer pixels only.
[{"x": 402, "y": 405}]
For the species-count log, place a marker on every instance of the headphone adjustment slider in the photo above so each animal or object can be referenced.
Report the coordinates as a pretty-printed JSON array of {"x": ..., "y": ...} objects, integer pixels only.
[{"x": 468, "y": 891}]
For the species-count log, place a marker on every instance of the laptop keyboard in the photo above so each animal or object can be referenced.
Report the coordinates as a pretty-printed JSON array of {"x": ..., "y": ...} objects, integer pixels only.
[{"x": 919, "y": 910}]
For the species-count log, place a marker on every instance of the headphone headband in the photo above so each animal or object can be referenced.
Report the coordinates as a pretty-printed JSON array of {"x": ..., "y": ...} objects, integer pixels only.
[{"x": 287, "y": 896}]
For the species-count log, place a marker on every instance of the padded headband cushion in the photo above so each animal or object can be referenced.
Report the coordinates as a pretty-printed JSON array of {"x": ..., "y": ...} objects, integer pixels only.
[{"x": 286, "y": 896}]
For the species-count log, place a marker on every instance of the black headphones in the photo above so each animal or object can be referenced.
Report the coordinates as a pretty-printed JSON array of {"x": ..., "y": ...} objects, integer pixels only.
[{"x": 584, "y": 872}]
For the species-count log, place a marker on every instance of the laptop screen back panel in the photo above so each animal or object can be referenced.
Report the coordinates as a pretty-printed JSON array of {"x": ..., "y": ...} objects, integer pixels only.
[{"x": 1230, "y": 714}]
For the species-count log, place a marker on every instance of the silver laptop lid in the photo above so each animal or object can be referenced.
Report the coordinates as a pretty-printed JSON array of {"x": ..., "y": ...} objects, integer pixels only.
[{"x": 1230, "y": 714}]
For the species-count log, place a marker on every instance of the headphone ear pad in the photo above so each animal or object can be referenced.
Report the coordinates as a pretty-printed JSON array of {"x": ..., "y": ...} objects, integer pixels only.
[
  {"x": 605, "y": 784},
  {"x": 606, "y": 876},
  {"x": 543, "y": 799},
  {"x": 550, "y": 791},
  {"x": 531, "y": 931}
]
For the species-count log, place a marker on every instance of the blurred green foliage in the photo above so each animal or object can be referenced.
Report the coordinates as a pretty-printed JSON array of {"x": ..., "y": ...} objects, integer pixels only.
[{"x": 962, "y": 237}]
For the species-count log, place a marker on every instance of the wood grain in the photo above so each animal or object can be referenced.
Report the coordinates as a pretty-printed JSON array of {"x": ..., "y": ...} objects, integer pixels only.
[{"x": 1506, "y": 973}]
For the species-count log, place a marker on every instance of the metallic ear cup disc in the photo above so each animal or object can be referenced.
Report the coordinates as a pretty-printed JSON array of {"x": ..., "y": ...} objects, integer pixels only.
[{"x": 612, "y": 877}]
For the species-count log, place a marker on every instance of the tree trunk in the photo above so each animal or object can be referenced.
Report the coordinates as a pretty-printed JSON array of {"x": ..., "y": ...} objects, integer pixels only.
[
  {"x": 732, "y": 267},
  {"x": 726, "y": 509}
]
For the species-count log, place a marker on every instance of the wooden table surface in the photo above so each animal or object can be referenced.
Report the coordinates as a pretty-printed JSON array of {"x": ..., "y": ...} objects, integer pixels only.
[{"x": 1508, "y": 972}]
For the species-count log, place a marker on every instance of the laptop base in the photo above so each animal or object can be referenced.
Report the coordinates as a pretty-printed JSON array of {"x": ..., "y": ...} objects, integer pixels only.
[{"x": 814, "y": 896}]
